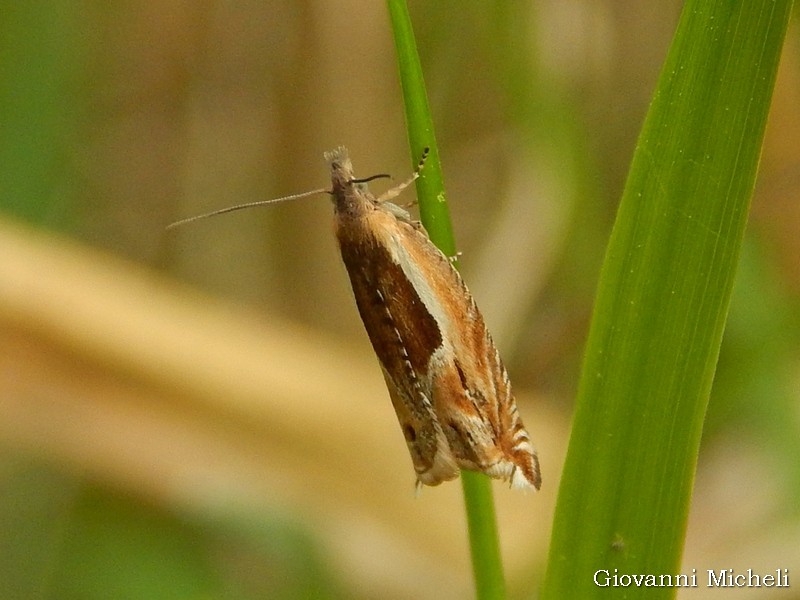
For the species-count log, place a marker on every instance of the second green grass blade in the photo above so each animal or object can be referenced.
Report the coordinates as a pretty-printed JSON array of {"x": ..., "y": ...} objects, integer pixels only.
[
  {"x": 482, "y": 525},
  {"x": 662, "y": 303}
]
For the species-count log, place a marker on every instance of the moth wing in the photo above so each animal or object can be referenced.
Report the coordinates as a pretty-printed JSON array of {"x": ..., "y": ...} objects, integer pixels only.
[
  {"x": 433, "y": 461},
  {"x": 447, "y": 383},
  {"x": 482, "y": 435},
  {"x": 405, "y": 338},
  {"x": 470, "y": 389}
]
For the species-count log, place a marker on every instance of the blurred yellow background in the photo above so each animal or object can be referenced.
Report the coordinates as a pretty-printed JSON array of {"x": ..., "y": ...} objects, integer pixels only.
[{"x": 198, "y": 414}]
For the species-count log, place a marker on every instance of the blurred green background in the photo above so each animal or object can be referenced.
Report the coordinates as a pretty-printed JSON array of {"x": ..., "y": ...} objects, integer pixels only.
[{"x": 196, "y": 414}]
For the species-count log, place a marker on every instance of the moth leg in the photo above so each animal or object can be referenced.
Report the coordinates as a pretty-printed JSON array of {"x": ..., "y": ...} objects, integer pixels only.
[{"x": 396, "y": 190}]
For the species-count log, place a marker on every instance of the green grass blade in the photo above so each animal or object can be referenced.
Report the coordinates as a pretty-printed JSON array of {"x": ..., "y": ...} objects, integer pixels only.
[
  {"x": 487, "y": 565},
  {"x": 482, "y": 524},
  {"x": 662, "y": 302},
  {"x": 430, "y": 186}
]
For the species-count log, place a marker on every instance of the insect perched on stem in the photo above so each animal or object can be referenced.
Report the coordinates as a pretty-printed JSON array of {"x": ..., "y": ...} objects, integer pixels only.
[{"x": 445, "y": 377}]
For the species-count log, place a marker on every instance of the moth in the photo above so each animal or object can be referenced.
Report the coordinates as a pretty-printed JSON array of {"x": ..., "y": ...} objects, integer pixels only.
[{"x": 447, "y": 383}]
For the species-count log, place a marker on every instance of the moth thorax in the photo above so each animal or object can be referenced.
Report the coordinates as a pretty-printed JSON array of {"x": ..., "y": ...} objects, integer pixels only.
[{"x": 352, "y": 200}]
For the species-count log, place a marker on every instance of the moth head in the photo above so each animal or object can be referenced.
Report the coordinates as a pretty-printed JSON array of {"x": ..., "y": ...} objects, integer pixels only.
[{"x": 341, "y": 167}]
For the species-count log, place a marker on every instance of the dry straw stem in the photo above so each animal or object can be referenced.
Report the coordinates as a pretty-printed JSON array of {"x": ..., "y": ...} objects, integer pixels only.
[{"x": 108, "y": 369}]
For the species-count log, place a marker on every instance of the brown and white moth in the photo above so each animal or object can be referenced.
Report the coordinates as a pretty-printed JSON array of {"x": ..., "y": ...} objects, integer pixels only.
[{"x": 446, "y": 380}]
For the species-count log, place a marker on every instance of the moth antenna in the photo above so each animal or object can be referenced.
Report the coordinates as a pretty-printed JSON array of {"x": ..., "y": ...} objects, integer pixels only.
[{"x": 222, "y": 211}]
